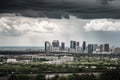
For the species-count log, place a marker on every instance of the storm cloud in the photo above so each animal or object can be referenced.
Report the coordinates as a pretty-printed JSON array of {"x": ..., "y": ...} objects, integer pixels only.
[{"x": 86, "y": 9}]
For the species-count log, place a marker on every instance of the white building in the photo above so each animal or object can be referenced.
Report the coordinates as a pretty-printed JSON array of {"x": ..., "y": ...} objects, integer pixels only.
[
  {"x": 62, "y": 60},
  {"x": 12, "y": 61}
]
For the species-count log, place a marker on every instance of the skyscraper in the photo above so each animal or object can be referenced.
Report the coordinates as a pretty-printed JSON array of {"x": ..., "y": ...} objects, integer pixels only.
[
  {"x": 73, "y": 44},
  {"x": 101, "y": 48},
  {"x": 84, "y": 46},
  {"x": 78, "y": 44},
  {"x": 106, "y": 47},
  {"x": 55, "y": 46},
  {"x": 55, "y": 43},
  {"x": 90, "y": 48},
  {"x": 47, "y": 46},
  {"x": 62, "y": 46},
  {"x": 95, "y": 47}
]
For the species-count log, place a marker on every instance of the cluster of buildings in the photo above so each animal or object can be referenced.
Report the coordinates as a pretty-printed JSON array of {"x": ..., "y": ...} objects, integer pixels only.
[
  {"x": 75, "y": 47},
  {"x": 25, "y": 59}
]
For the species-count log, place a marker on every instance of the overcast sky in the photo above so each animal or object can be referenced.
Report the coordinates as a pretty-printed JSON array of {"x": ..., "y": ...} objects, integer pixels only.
[{"x": 31, "y": 22}]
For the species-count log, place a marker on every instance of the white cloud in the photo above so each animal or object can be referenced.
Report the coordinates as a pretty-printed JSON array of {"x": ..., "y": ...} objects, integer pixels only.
[
  {"x": 34, "y": 31},
  {"x": 25, "y": 31},
  {"x": 102, "y": 25},
  {"x": 15, "y": 26}
]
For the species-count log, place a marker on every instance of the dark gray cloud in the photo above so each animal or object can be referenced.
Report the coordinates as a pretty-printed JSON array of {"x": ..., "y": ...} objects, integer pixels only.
[
  {"x": 62, "y": 8},
  {"x": 104, "y": 2}
]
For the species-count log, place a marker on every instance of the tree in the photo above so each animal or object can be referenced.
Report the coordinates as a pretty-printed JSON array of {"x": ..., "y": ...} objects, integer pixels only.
[
  {"x": 55, "y": 77},
  {"x": 92, "y": 77},
  {"x": 23, "y": 77},
  {"x": 40, "y": 77},
  {"x": 111, "y": 75},
  {"x": 62, "y": 78},
  {"x": 13, "y": 77},
  {"x": 74, "y": 77}
]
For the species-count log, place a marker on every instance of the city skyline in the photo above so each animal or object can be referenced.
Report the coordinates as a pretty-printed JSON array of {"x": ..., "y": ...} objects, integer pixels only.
[
  {"x": 67, "y": 43},
  {"x": 75, "y": 47}
]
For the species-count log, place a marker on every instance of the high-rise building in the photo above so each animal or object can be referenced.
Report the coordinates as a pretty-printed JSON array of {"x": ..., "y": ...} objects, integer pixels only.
[
  {"x": 62, "y": 46},
  {"x": 90, "y": 48},
  {"x": 95, "y": 47},
  {"x": 106, "y": 47},
  {"x": 47, "y": 46},
  {"x": 84, "y": 46},
  {"x": 55, "y": 46},
  {"x": 55, "y": 43},
  {"x": 78, "y": 44},
  {"x": 101, "y": 48},
  {"x": 73, "y": 44}
]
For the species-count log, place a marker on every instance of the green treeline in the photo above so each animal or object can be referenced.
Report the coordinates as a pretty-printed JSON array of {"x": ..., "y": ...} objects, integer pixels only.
[
  {"x": 55, "y": 68},
  {"x": 111, "y": 75}
]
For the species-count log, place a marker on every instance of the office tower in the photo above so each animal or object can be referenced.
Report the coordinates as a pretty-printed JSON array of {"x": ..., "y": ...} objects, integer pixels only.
[
  {"x": 97, "y": 51},
  {"x": 78, "y": 44},
  {"x": 84, "y": 46},
  {"x": 55, "y": 46},
  {"x": 78, "y": 49},
  {"x": 90, "y": 48},
  {"x": 106, "y": 47},
  {"x": 47, "y": 46},
  {"x": 73, "y": 44},
  {"x": 55, "y": 43},
  {"x": 62, "y": 46},
  {"x": 101, "y": 48},
  {"x": 95, "y": 47}
]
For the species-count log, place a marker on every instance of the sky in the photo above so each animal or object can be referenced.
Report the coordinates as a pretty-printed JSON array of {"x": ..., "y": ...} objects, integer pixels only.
[{"x": 32, "y": 22}]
